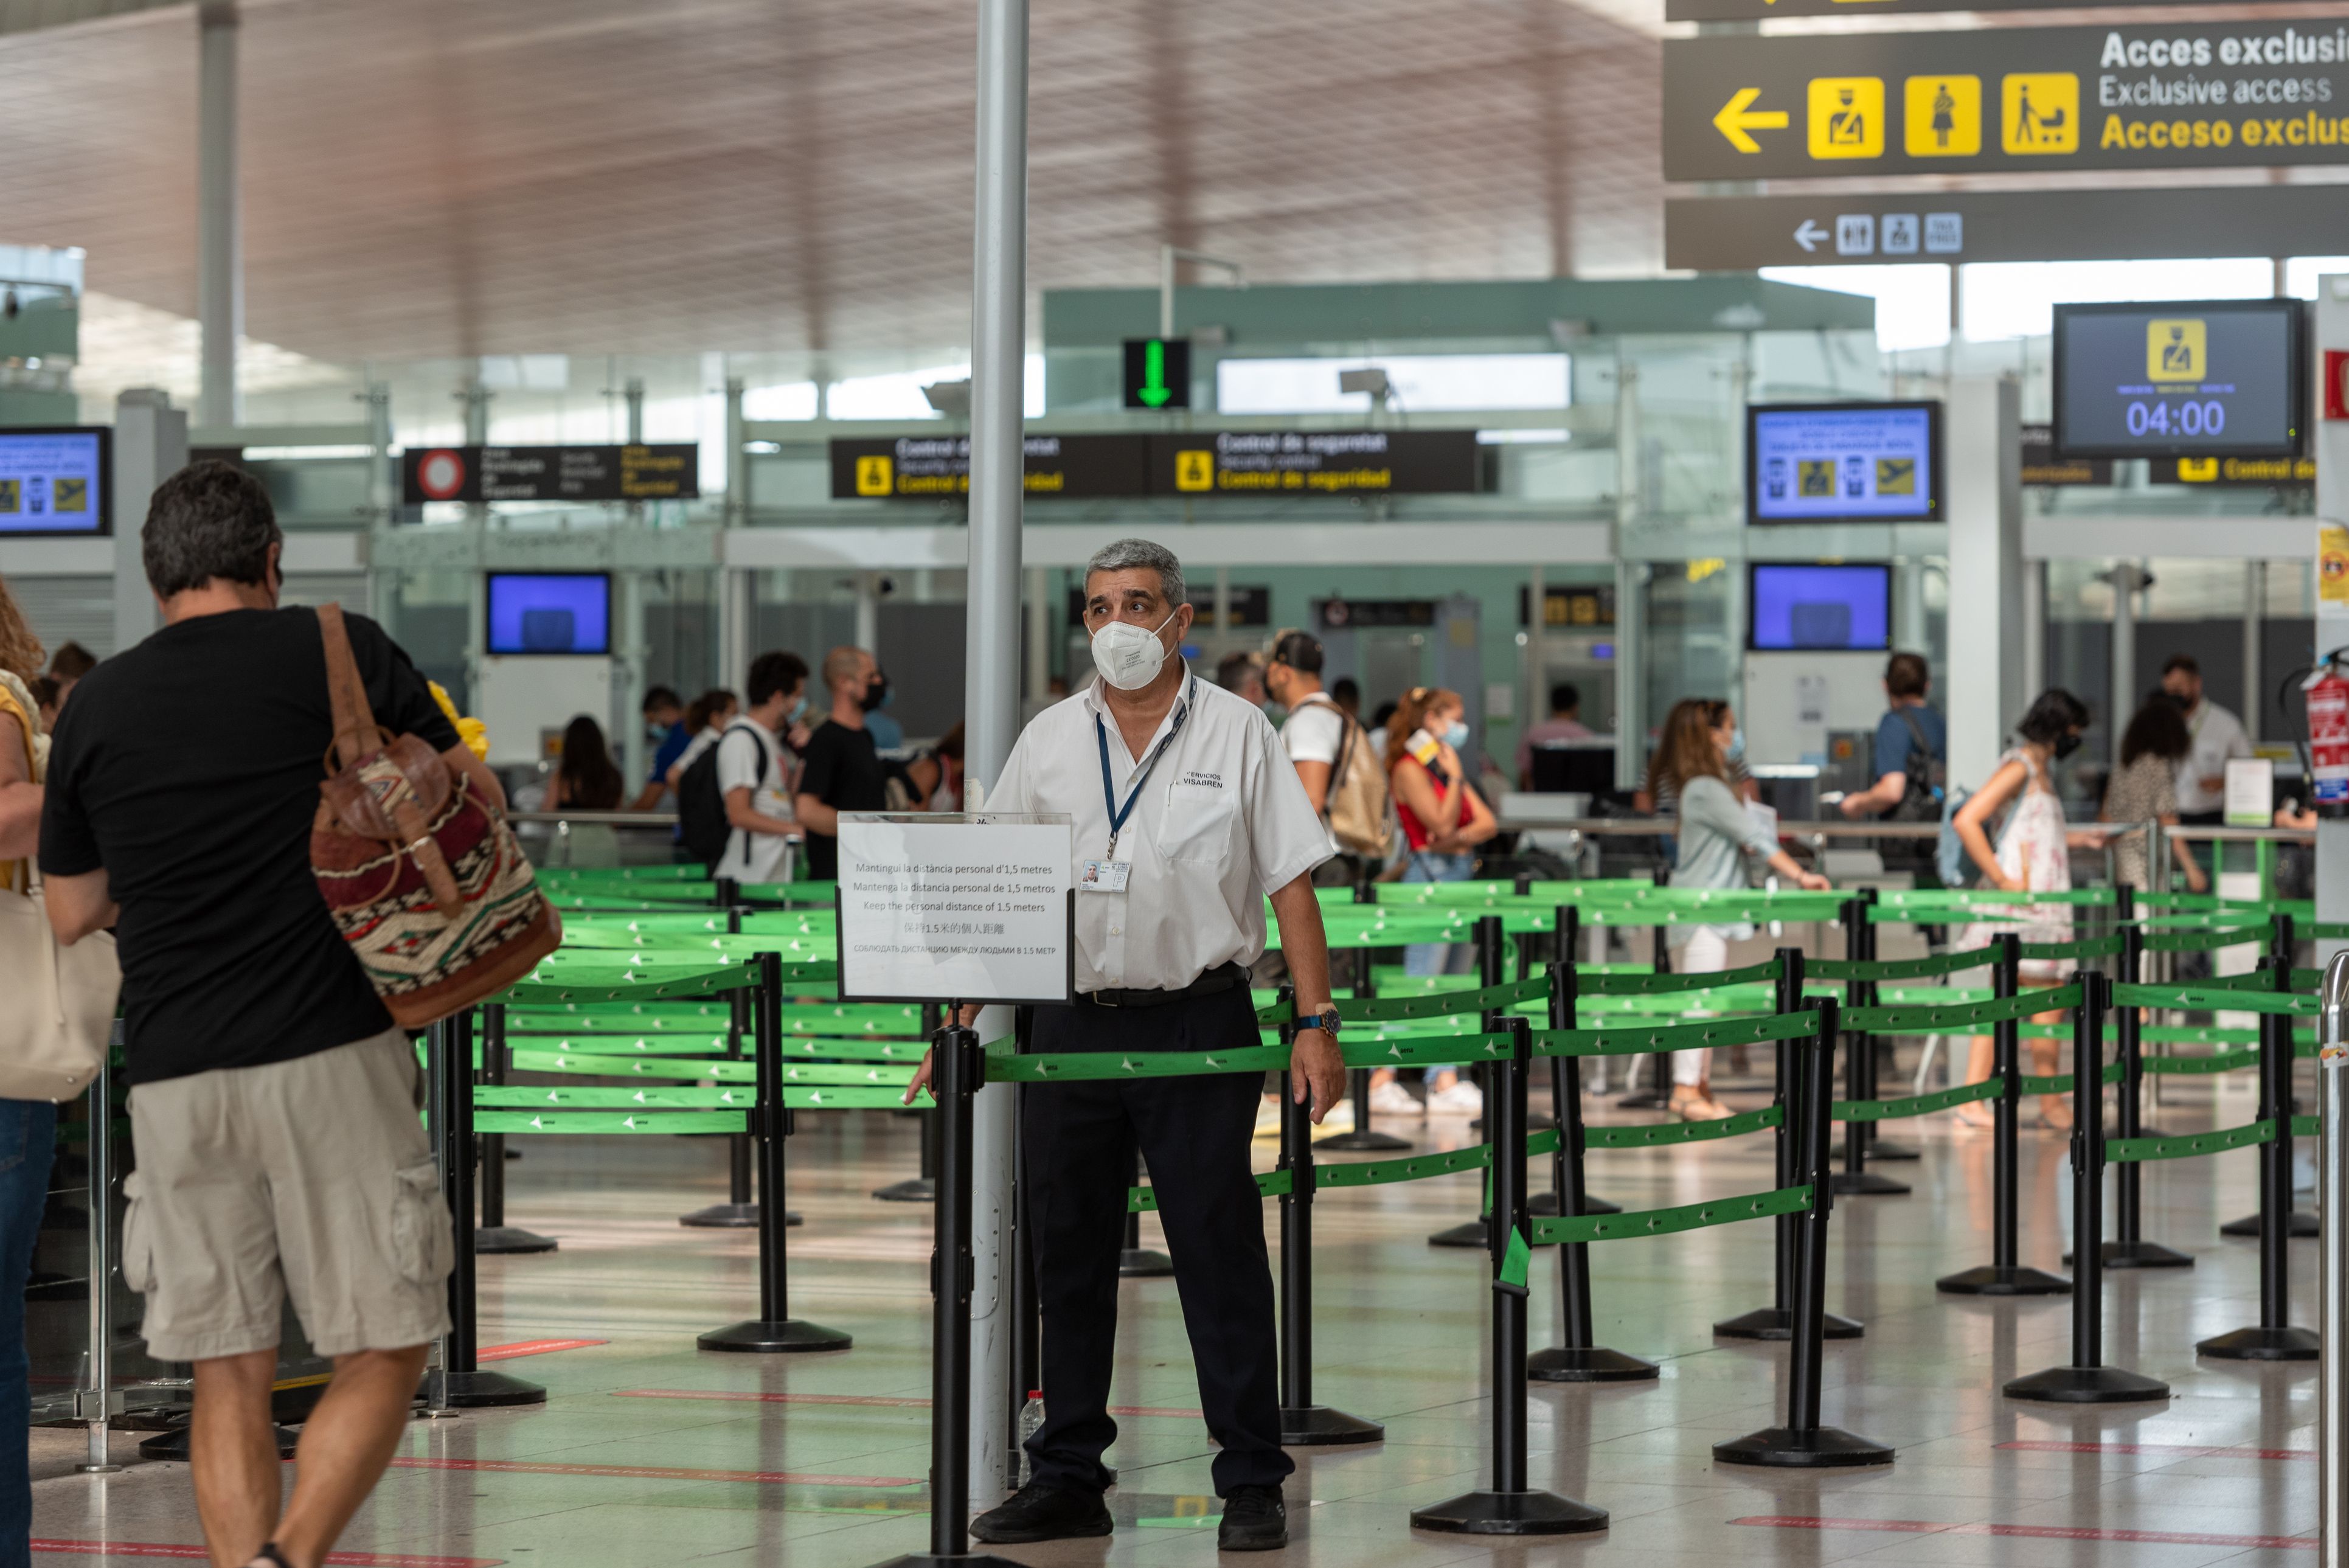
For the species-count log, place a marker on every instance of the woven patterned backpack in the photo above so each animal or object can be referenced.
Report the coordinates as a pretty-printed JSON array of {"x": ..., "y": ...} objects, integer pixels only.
[{"x": 424, "y": 878}]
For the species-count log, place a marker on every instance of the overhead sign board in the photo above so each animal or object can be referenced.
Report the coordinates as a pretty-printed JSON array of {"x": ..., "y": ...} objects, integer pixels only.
[
  {"x": 1763, "y": 10},
  {"x": 550, "y": 473},
  {"x": 957, "y": 907},
  {"x": 1184, "y": 465},
  {"x": 1158, "y": 373},
  {"x": 2235, "y": 473},
  {"x": 928, "y": 467},
  {"x": 2040, "y": 466},
  {"x": 1735, "y": 233},
  {"x": 2208, "y": 379},
  {"x": 2015, "y": 100},
  {"x": 1842, "y": 462}
]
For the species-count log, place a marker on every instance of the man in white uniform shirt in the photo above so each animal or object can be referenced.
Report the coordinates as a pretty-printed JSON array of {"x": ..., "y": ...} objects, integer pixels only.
[
  {"x": 2217, "y": 734},
  {"x": 1185, "y": 818}
]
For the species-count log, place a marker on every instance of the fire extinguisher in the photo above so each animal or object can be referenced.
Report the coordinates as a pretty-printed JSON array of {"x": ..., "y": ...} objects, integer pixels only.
[{"x": 2326, "y": 693}]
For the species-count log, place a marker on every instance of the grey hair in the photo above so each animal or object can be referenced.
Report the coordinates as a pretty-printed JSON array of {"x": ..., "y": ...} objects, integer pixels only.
[{"x": 1141, "y": 554}]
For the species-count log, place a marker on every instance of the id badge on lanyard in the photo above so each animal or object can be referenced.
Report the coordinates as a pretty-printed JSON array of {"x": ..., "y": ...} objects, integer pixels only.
[{"x": 1110, "y": 874}]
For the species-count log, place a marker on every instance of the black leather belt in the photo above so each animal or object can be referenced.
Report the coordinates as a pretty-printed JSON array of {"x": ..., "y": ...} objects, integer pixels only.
[{"x": 1223, "y": 978}]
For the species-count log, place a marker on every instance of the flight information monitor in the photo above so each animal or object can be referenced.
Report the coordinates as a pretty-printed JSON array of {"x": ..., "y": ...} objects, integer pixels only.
[
  {"x": 1836, "y": 608},
  {"x": 2214, "y": 379},
  {"x": 550, "y": 613},
  {"x": 54, "y": 481},
  {"x": 1842, "y": 462}
]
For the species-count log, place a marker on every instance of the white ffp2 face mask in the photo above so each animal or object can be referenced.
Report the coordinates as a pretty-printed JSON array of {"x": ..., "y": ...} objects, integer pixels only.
[{"x": 1128, "y": 656}]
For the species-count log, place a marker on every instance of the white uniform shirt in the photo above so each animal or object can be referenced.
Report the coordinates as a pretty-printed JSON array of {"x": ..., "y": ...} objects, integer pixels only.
[
  {"x": 2217, "y": 734},
  {"x": 753, "y": 857},
  {"x": 1220, "y": 823}
]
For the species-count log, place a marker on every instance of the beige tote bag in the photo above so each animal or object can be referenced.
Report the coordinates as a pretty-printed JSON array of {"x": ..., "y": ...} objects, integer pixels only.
[{"x": 59, "y": 1019}]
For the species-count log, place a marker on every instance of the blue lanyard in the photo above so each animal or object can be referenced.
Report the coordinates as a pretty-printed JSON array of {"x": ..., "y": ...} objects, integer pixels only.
[{"x": 1118, "y": 815}]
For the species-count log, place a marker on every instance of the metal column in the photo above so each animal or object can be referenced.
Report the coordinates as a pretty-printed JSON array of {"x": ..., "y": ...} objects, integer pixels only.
[
  {"x": 991, "y": 702},
  {"x": 150, "y": 444},
  {"x": 220, "y": 259},
  {"x": 2333, "y": 1271}
]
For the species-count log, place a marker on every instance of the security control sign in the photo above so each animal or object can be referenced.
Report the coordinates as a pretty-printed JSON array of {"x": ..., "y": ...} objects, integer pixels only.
[
  {"x": 1158, "y": 373},
  {"x": 957, "y": 907},
  {"x": 929, "y": 468},
  {"x": 550, "y": 473},
  {"x": 2215, "y": 378},
  {"x": 1314, "y": 462},
  {"x": 2015, "y": 100}
]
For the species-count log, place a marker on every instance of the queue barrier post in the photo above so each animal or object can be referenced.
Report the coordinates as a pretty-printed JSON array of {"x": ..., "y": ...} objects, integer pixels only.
[
  {"x": 1509, "y": 1506},
  {"x": 1859, "y": 1069},
  {"x": 739, "y": 1212},
  {"x": 1027, "y": 1357},
  {"x": 1777, "y": 1320},
  {"x": 2301, "y": 1223},
  {"x": 1491, "y": 970},
  {"x": 1303, "y": 1423},
  {"x": 1658, "y": 1096},
  {"x": 1879, "y": 1148},
  {"x": 2085, "y": 1379},
  {"x": 1805, "y": 1442},
  {"x": 2273, "y": 1338},
  {"x": 959, "y": 1069},
  {"x": 1565, "y": 938},
  {"x": 774, "y": 1330},
  {"x": 2333, "y": 1272},
  {"x": 2129, "y": 1249},
  {"x": 2005, "y": 1273},
  {"x": 1578, "y": 1357},
  {"x": 1364, "y": 1139},
  {"x": 494, "y": 1236},
  {"x": 923, "y": 1186},
  {"x": 468, "y": 1386}
]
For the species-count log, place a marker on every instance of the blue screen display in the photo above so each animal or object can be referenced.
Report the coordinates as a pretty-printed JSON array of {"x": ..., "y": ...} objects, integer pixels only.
[
  {"x": 549, "y": 613},
  {"x": 52, "y": 482},
  {"x": 1843, "y": 609},
  {"x": 1863, "y": 462}
]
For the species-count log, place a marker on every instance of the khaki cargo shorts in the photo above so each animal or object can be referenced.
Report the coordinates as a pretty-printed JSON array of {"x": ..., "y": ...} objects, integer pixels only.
[{"x": 314, "y": 1177}]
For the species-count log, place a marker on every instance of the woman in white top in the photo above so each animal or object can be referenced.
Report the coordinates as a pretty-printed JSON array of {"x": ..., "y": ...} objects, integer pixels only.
[
  {"x": 1716, "y": 836},
  {"x": 706, "y": 719},
  {"x": 2032, "y": 855}
]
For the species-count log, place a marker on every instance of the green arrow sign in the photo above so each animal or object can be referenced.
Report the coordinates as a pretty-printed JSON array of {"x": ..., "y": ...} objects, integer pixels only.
[{"x": 1158, "y": 373}]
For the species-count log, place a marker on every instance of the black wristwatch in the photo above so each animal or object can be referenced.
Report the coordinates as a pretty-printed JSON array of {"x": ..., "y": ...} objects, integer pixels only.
[{"x": 1325, "y": 1020}]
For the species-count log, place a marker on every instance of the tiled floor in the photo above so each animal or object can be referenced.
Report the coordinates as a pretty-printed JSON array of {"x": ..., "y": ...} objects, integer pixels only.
[{"x": 2223, "y": 1472}]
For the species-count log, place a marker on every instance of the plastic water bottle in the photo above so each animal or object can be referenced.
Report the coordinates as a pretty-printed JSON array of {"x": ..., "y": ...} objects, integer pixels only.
[{"x": 1032, "y": 1421}]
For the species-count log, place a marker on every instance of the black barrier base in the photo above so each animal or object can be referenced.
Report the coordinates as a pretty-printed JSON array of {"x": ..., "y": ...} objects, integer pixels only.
[
  {"x": 2088, "y": 1386},
  {"x": 1318, "y": 1426},
  {"x": 734, "y": 1217},
  {"x": 1991, "y": 1279},
  {"x": 1825, "y": 1447},
  {"x": 963, "y": 1560},
  {"x": 1596, "y": 1364},
  {"x": 1544, "y": 1204},
  {"x": 1143, "y": 1263},
  {"x": 2304, "y": 1226},
  {"x": 1865, "y": 1184},
  {"x": 1471, "y": 1234},
  {"x": 1885, "y": 1149},
  {"x": 2261, "y": 1344},
  {"x": 912, "y": 1190},
  {"x": 1510, "y": 1513},
  {"x": 790, "y": 1335},
  {"x": 484, "y": 1391},
  {"x": 174, "y": 1444},
  {"x": 1366, "y": 1141},
  {"x": 2140, "y": 1255},
  {"x": 511, "y": 1239},
  {"x": 1770, "y": 1323}
]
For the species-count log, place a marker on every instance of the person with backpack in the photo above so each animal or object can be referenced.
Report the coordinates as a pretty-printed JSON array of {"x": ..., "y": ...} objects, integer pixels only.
[
  {"x": 734, "y": 803},
  {"x": 1910, "y": 763},
  {"x": 1332, "y": 755}
]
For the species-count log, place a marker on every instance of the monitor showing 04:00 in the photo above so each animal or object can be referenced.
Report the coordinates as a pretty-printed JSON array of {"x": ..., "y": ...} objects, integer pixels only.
[
  {"x": 54, "y": 481},
  {"x": 1842, "y": 462},
  {"x": 2216, "y": 378}
]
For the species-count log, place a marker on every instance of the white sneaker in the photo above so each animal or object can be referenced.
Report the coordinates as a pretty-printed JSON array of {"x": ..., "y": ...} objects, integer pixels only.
[
  {"x": 1340, "y": 1119},
  {"x": 1462, "y": 1098},
  {"x": 1390, "y": 1099}
]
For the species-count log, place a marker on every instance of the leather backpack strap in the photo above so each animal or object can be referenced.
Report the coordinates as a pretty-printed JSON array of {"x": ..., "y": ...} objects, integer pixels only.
[{"x": 355, "y": 730}]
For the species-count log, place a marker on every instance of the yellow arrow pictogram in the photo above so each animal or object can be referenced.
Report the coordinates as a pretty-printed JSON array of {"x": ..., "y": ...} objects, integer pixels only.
[{"x": 1738, "y": 117}]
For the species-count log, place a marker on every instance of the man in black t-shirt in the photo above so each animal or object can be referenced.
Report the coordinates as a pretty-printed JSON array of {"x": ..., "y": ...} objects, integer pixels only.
[
  {"x": 842, "y": 772},
  {"x": 273, "y": 1102}
]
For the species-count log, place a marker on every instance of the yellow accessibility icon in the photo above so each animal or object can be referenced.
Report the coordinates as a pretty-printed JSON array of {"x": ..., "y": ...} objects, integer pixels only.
[
  {"x": 874, "y": 475},
  {"x": 1846, "y": 117},
  {"x": 1942, "y": 117},
  {"x": 2039, "y": 113},
  {"x": 1194, "y": 471}
]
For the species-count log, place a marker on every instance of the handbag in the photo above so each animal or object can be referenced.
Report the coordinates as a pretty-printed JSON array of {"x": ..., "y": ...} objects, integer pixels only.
[
  {"x": 57, "y": 1029},
  {"x": 424, "y": 878}
]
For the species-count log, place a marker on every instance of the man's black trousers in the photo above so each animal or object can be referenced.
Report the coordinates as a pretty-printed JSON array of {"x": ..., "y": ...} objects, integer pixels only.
[{"x": 1077, "y": 1141}]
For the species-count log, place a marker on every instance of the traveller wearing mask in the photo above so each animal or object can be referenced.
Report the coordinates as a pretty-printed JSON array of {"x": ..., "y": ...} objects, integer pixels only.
[
  {"x": 2144, "y": 787},
  {"x": 707, "y": 716},
  {"x": 844, "y": 772},
  {"x": 2033, "y": 854},
  {"x": 2216, "y": 734},
  {"x": 1716, "y": 837},
  {"x": 754, "y": 772},
  {"x": 888, "y": 735},
  {"x": 665, "y": 719},
  {"x": 1444, "y": 819}
]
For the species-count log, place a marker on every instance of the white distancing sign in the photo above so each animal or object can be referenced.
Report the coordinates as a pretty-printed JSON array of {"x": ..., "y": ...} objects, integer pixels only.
[{"x": 955, "y": 907}]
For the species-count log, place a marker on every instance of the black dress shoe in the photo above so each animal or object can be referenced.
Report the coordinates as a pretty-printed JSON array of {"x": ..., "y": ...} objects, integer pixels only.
[
  {"x": 1255, "y": 1519},
  {"x": 1043, "y": 1510}
]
